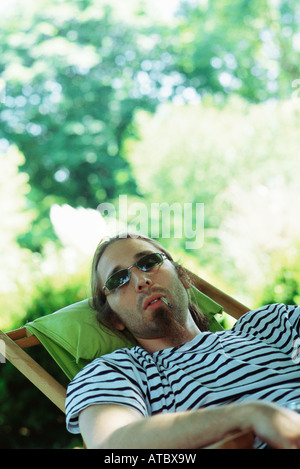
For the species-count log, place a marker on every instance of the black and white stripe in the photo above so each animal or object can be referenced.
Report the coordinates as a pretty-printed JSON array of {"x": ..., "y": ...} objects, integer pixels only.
[{"x": 253, "y": 360}]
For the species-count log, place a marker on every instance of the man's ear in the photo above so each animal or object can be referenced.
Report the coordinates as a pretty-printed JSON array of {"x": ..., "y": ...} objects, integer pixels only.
[{"x": 118, "y": 324}]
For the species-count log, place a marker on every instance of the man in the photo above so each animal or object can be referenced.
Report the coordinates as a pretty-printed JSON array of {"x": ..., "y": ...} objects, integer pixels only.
[{"x": 182, "y": 386}]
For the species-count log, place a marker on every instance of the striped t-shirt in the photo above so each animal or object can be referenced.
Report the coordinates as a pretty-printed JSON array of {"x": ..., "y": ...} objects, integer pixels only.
[{"x": 256, "y": 359}]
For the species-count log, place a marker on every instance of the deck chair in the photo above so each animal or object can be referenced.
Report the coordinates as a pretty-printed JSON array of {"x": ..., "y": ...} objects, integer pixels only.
[{"x": 73, "y": 337}]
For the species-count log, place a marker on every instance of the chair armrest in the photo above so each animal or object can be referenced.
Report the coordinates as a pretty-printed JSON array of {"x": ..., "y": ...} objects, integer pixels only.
[
  {"x": 33, "y": 371},
  {"x": 230, "y": 305},
  {"x": 23, "y": 338}
]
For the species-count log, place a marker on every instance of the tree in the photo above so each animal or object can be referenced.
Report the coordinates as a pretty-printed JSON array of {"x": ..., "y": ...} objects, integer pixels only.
[
  {"x": 76, "y": 72},
  {"x": 15, "y": 219},
  {"x": 240, "y": 161},
  {"x": 68, "y": 69},
  {"x": 250, "y": 49}
]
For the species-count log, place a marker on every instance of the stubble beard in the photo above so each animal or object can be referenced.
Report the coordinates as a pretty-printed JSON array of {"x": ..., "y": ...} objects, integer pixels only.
[{"x": 167, "y": 323}]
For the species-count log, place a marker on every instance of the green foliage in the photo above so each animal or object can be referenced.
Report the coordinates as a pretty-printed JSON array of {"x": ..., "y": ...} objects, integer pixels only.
[
  {"x": 283, "y": 286},
  {"x": 284, "y": 289},
  {"x": 67, "y": 102},
  {"x": 29, "y": 289},
  {"x": 230, "y": 159},
  {"x": 15, "y": 219},
  {"x": 27, "y": 418},
  {"x": 76, "y": 72}
]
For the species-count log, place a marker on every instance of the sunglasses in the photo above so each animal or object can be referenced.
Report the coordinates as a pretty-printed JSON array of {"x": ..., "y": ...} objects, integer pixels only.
[{"x": 145, "y": 263}]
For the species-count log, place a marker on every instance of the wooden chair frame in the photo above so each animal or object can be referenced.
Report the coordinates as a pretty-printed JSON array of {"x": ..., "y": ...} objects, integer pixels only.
[{"x": 17, "y": 340}]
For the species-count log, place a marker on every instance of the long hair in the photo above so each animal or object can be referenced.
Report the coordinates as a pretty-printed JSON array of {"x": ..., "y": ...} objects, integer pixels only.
[{"x": 105, "y": 314}]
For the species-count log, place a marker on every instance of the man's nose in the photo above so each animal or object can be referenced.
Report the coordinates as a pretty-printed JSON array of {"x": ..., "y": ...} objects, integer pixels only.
[{"x": 140, "y": 279}]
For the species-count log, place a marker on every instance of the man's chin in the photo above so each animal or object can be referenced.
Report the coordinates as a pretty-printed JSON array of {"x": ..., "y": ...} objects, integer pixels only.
[
  {"x": 165, "y": 323},
  {"x": 162, "y": 314}
]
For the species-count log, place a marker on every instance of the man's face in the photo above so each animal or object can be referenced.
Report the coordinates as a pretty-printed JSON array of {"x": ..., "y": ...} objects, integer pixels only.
[{"x": 131, "y": 301}]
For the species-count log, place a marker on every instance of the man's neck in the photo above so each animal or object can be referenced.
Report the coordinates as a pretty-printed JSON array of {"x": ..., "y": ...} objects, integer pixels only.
[{"x": 162, "y": 343}]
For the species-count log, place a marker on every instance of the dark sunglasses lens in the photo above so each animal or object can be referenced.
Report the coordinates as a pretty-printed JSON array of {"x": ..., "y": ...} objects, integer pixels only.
[
  {"x": 145, "y": 263},
  {"x": 117, "y": 279},
  {"x": 149, "y": 261}
]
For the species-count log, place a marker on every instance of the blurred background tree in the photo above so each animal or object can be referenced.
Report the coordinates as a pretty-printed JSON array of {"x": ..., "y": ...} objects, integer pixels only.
[
  {"x": 168, "y": 102},
  {"x": 76, "y": 72},
  {"x": 242, "y": 162},
  {"x": 15, "y": 218}
]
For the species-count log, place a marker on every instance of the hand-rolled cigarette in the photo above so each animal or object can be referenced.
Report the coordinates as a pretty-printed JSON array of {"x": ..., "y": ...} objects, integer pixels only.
[{"x": 166, "y": 302}]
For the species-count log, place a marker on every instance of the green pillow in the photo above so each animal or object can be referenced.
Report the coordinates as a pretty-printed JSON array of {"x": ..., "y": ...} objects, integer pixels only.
[
  {"x": 208, "y": 306},
  {"x": 74, "y": 337}
]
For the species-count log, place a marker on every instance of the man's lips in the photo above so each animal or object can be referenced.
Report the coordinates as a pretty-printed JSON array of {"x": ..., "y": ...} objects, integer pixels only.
[{"x": 148, "y": 302}]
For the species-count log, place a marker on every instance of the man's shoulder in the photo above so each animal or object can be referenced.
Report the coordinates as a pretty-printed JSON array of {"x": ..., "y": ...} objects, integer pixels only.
[
  {"x": 121, "y": 354},
  {"x": 120, "y": 359},
  {"x": 118, "y": 356},
  {"x": 267, "y": 312}
]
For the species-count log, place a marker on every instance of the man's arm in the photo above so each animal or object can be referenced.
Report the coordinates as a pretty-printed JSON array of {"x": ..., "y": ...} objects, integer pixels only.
[{"x": 118, "y": 427}]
